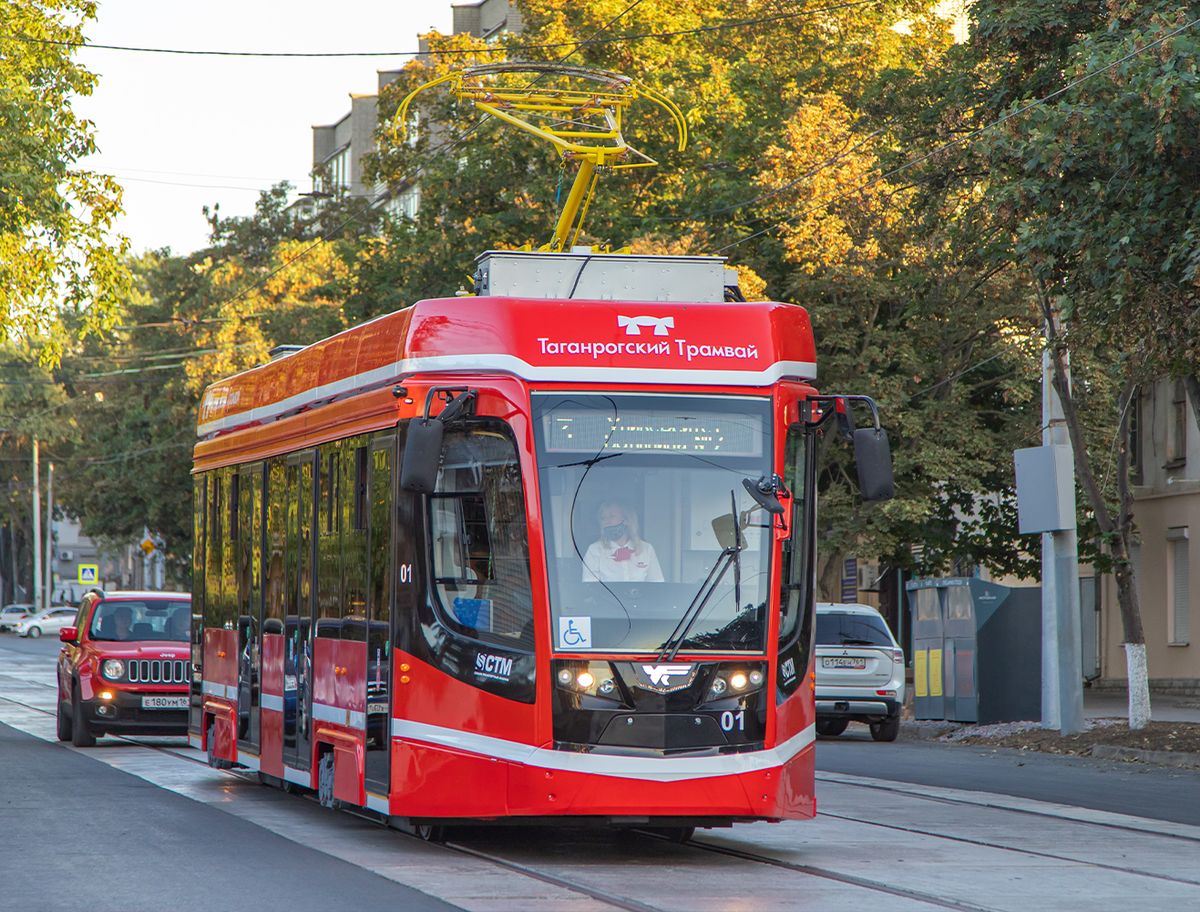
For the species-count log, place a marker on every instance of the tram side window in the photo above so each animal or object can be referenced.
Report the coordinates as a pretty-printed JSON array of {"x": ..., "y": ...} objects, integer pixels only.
[
  {"x": 361, "y": 464},
  {"x": 199, "y": 502},
  {"x": 329, "y": 547},
  {"x": 276, "y": 498},
  {"x": 479, "y": 537},
  {"x": 796, "y": 571},
  {"x": 229, "y": 574},
  {"x": 354, "y": 519}
]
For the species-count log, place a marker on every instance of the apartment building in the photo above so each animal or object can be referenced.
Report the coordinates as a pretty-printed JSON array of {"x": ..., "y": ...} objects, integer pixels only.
[
  {"x": 1165, "y": 451},
  {"x": 338, "y": 148}
]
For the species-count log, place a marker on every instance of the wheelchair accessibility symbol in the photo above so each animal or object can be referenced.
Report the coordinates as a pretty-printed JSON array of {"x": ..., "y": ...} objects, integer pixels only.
[{"x": 574, "y": 633}]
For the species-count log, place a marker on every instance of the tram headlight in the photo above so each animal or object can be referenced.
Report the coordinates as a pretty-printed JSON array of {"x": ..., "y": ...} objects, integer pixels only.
[
  {"x": 756, "y": 678},
  {"x": 113, "y": 669},
  {"x": 586, "y": 679},
  {"x": 564, "y": 676},
  {"x": 607, "y": 687},
  {"x": 719, "y": 686},
  {"x": 738, "y": 680}
]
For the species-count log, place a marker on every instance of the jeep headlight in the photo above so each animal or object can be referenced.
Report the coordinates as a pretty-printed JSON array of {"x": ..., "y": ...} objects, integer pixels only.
[{"x": 112, "y": 669}]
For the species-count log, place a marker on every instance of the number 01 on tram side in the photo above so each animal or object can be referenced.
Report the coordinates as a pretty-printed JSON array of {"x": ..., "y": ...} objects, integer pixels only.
[{"x": 513, "y": 557}]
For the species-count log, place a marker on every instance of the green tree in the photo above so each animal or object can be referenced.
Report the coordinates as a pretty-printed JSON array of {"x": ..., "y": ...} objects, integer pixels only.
[
  {"x": 188, "y": 320},
  {"x": 1092, "y": 181},
  {"x": 56, "y": 245}
]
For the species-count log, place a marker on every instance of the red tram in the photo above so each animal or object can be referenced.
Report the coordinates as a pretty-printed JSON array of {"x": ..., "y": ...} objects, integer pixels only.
[{"x": 540, "y": 554}]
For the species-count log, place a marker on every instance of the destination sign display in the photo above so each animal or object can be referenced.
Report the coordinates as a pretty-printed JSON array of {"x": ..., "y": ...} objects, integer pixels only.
[{"x": 652, "y": 431}]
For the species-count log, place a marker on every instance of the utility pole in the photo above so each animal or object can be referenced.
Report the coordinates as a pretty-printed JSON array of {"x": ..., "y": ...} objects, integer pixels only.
[
  {"x": 50, "y": 537},
  {"x": 1062, "y": 676},
  {"x": 37, "y": 532}
]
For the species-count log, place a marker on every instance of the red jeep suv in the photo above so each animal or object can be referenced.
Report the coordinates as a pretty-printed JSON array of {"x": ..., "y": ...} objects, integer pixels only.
[{"x": 125, "y": 666}]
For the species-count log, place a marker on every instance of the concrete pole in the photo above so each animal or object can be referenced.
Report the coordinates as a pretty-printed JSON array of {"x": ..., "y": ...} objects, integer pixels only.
[
  {"x": 50, "y": 536},
  {"x": 1062, "y": 674},
  {"x": 37, "y": 532}
]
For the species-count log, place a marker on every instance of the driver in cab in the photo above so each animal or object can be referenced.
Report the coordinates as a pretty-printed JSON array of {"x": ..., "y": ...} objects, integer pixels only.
[{"x": 619, "y": 555}]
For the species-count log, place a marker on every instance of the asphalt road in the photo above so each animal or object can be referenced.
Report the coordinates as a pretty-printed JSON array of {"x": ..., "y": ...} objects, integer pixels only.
[
  {"x": 903, "y": 827},
  {"x": 1160, "y": 793},
  {"x": 45, "y": 645},
  {"x": 81, "y": 835}
]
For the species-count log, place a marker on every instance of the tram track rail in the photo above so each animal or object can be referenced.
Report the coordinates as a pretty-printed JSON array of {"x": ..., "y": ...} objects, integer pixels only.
[{"x": 700, "y": 844}]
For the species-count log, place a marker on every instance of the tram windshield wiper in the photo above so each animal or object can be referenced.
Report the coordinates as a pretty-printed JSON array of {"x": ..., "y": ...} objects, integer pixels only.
[{"x": 726, "y": 528}]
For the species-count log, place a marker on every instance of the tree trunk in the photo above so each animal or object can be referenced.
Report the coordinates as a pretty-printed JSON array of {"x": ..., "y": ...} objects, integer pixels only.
[
  {"x": 1118, "y": 533},
  {"x": 830, "y": 578}
]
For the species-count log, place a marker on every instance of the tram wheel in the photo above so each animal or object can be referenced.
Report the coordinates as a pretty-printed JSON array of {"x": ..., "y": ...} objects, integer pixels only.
[
  {"x": 679, "y": 835},
  {"x": 887, "y": 730},
  {"x": 831, "y": 728},
  {"x": 430, "y": 832},
  {"x": 325, "y": 773}
]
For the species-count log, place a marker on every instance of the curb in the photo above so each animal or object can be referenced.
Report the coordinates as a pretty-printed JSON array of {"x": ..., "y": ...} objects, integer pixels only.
[
  {"x": 926, "y": 730},
  {"x": 1164, "y": 758}
]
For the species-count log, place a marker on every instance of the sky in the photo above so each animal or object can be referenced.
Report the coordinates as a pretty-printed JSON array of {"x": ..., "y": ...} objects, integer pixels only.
[{"x": 181, "y": 132}]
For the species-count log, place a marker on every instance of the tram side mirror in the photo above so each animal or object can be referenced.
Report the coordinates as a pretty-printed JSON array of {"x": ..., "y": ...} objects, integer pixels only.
[
  {"x": 422, "y": 455},
  {"x": 874, "y": 459},
  {"x": 765, "y": 491}
]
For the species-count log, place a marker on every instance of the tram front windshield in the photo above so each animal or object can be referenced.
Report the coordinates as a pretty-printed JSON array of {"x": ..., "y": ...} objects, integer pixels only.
[{"x": 652, "y": 541}]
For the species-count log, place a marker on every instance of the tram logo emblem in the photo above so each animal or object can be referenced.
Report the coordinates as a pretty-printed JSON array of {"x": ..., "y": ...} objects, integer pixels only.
[
  {"x": 633, "y": 325},
  {"x": 788, "y": 669},
  {"x": 660, "y": 676},
  {"x": 493, "y": 667}
]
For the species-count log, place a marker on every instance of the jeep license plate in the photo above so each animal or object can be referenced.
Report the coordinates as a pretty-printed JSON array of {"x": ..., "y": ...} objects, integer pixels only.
[
  {"x": 165, "y": 702},
  {"x": 843, "y": 662}
]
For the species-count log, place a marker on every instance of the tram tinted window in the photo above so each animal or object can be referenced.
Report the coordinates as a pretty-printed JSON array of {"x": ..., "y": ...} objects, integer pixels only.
[
  {"x": 652, "y": 541},
  {"x": 843, "y": 629},
  {"x": 795, "y": 575},
  {"x": 479, "y": 536}
]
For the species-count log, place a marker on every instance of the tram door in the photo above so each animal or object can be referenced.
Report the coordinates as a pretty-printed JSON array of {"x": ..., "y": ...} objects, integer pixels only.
[
  {"x": 249, "y": 570},
  {"x": 298, "y": 627},
  {"x": 379, "y": 599}
]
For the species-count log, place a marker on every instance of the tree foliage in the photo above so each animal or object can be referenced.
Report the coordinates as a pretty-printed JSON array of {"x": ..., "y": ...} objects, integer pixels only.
[{"x": 56, "y": 244}]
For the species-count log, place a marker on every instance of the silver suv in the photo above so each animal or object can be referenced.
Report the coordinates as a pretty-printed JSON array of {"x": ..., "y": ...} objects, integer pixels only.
[{"x": 860, "y": 671}]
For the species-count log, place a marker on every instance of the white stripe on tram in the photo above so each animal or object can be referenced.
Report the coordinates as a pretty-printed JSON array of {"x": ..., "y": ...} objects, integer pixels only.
[
  {"x": 339, "y": 716},
  {"x": 510, "y": 364},
  {"x": 658, "y": 769},
  {"x": 272, "y": 701},
  {"x": 225, "y": 692}
]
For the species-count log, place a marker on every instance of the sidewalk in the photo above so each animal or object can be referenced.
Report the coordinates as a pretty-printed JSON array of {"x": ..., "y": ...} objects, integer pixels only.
[{"x": 1108, "y": 704}]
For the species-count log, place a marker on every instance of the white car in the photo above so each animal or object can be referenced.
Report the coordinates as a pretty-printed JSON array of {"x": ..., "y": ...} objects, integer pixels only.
[
  {"x": 10, "y": 614},
  {"x": 860, "y": 671},
  {"x": 50, "y": 621}
]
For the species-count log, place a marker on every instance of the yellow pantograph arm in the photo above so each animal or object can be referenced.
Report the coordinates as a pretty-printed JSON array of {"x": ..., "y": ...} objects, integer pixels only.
[{"x": 571, "y": 108}]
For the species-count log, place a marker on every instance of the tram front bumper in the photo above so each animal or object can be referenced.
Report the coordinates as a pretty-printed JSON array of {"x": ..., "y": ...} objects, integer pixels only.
[{"x": 661, "y": 788}]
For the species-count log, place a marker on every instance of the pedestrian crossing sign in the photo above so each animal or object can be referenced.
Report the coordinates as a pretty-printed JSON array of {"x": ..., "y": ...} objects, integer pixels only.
[{"x": 89, "y": 573}]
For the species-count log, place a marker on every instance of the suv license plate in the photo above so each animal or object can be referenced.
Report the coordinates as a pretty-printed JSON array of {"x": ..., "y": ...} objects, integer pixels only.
[
  {"x": 843, "y": 662},
  {"x": 165, "y": 702}
]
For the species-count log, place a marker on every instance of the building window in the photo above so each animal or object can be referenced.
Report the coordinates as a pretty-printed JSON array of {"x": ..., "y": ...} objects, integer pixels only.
[
  {"x": 1177, "y": 430},
  {"x": 1177, "y": 551},
  {"x": 1135, "y": 437}
]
